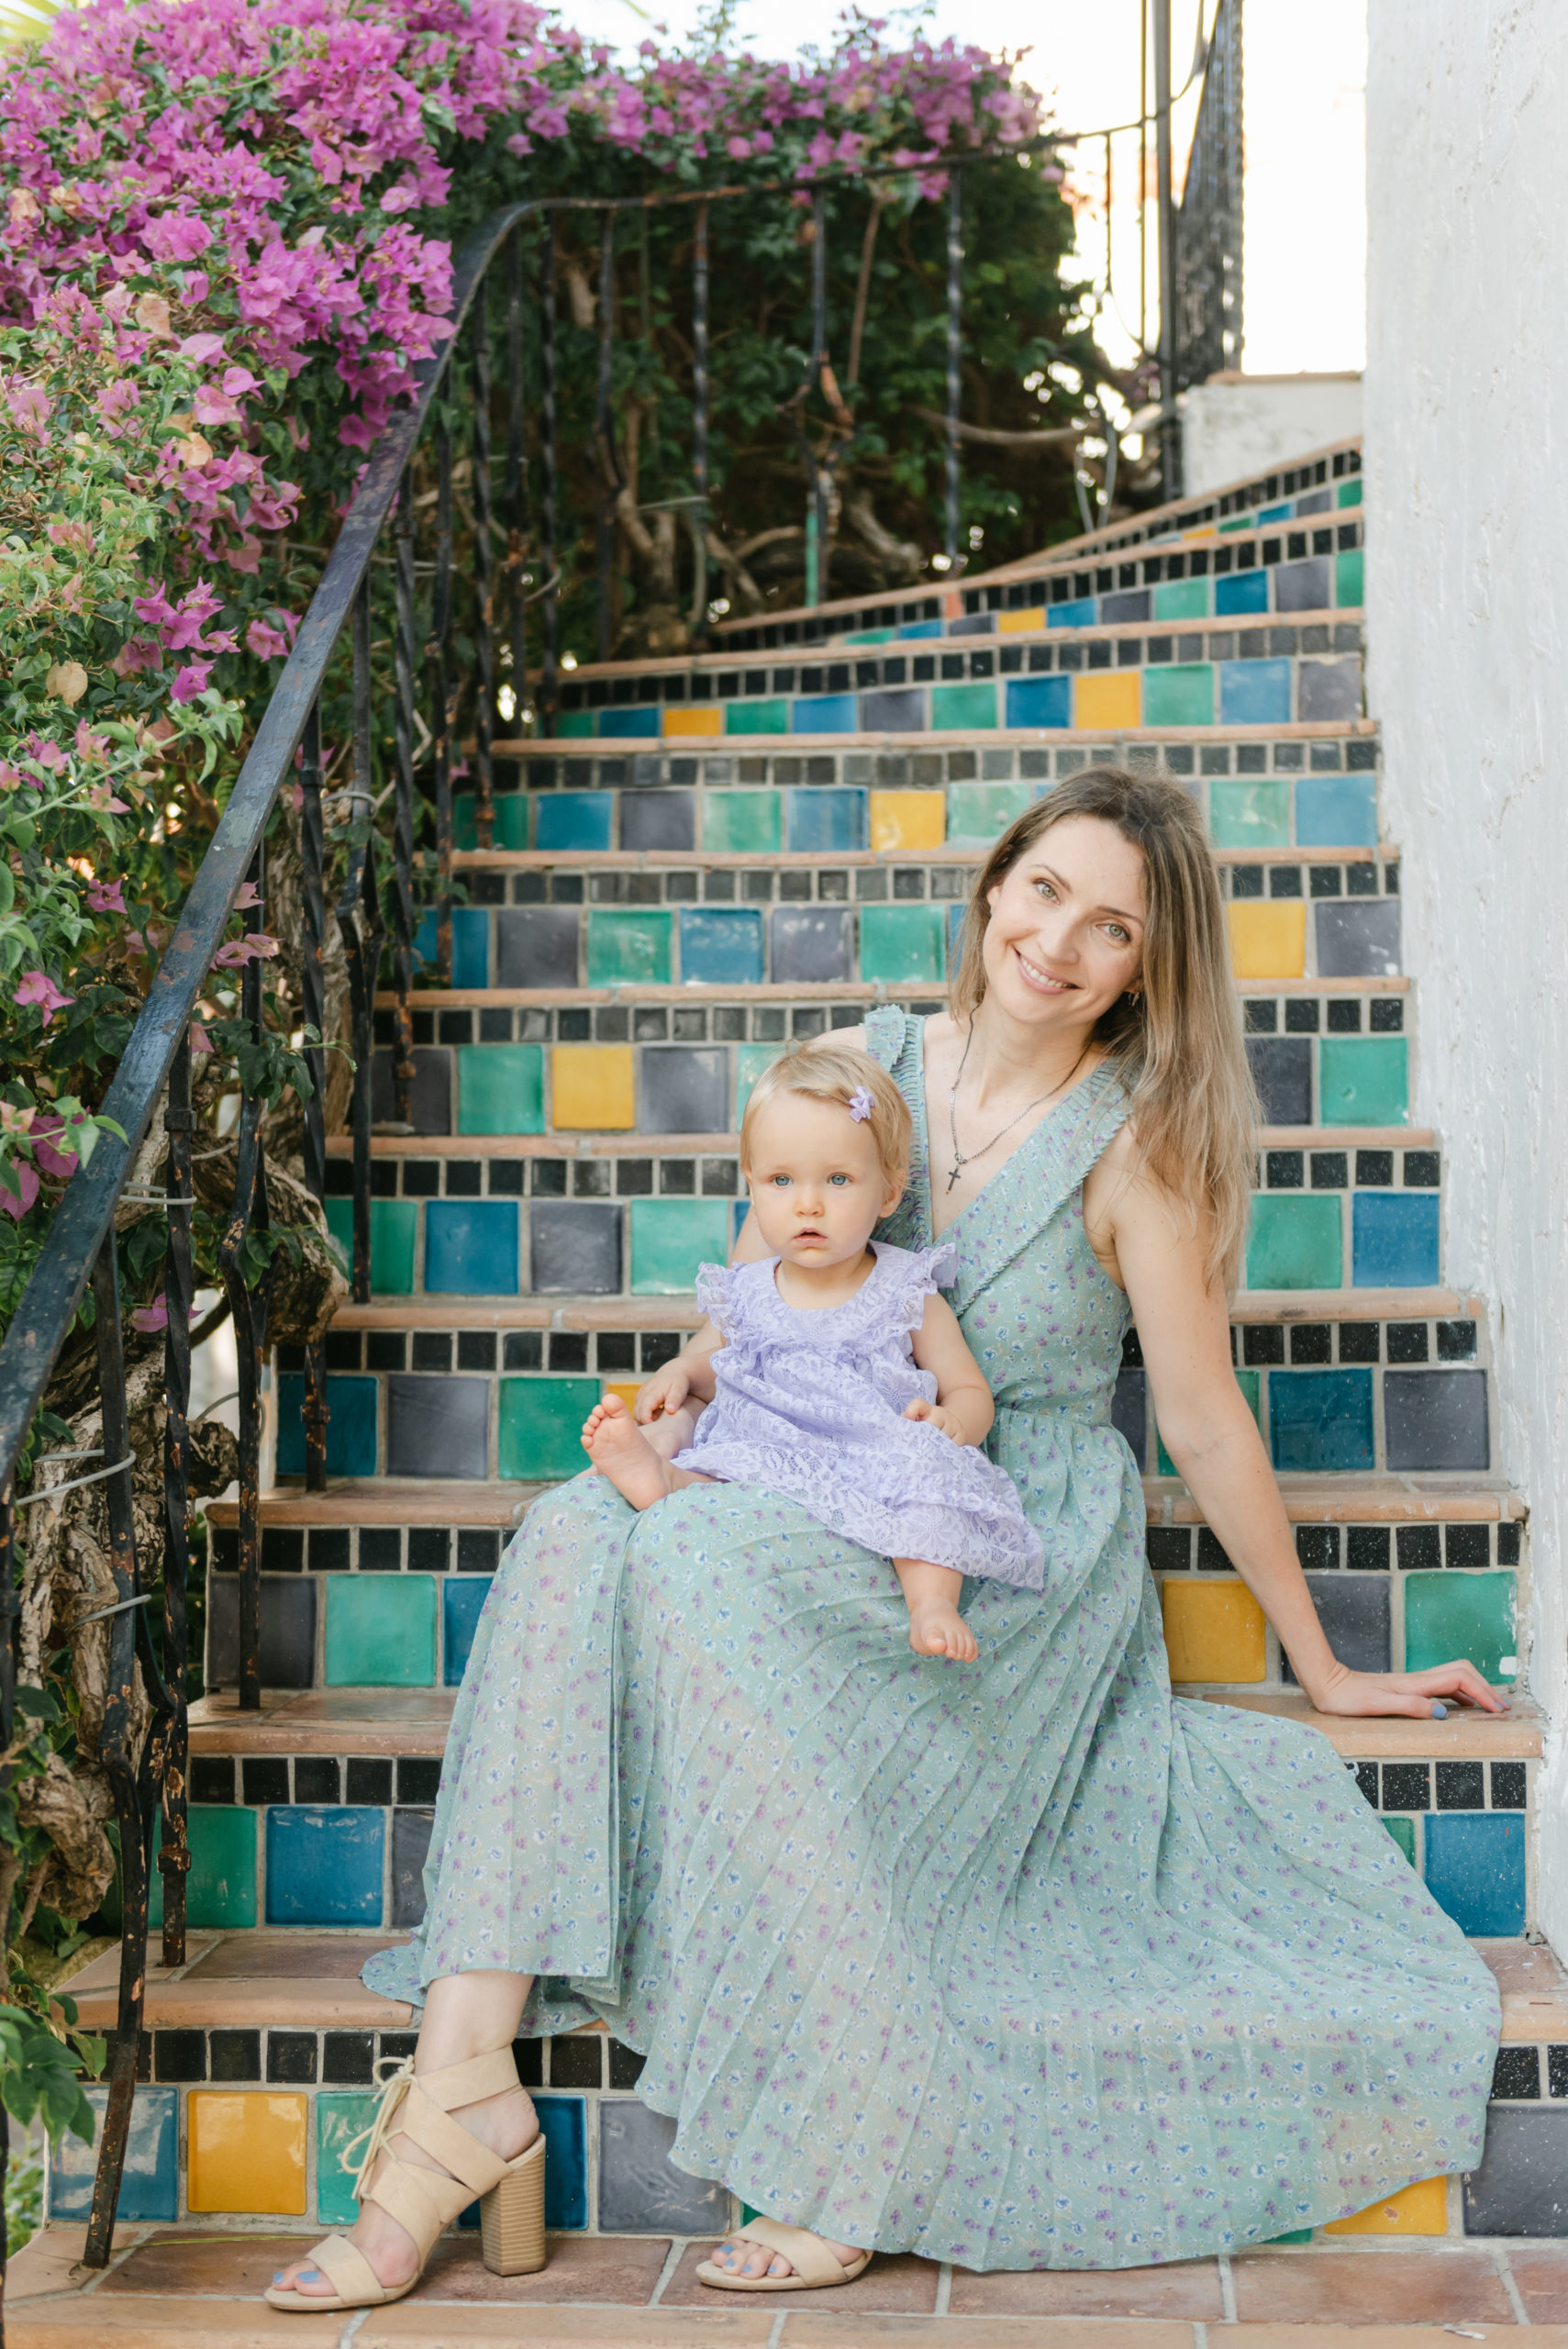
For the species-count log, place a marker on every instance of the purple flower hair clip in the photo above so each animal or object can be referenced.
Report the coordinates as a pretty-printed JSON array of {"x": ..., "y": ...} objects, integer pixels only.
[{"x": 859, "y": 1104}]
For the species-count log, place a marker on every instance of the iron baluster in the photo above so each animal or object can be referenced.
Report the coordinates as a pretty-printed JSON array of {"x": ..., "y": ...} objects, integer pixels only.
[
  {"x": 247, "y": 1311},
  {"x": 516, "y": 492},
  {"x": 549, "y": 650},
  {"x": 611, "y": 481},
  {"x": 955, "y": 352},
  {"x": 483, "y": 640},
  {"x": 1208, "y": 236},
  {"x": 359, "y": 921},
  {"x": 699, "y": 429},
  {"x": 405, "y": 659},
  {"x": 174, "y": 1856},
  {"x": 1169, "y": 423},
  {"x": 442, "y": 693},
  {"x": 313, "y": 1003}
]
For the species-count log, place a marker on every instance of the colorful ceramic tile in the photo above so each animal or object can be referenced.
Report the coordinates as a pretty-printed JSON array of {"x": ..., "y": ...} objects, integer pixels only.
[
  {"x": 1268, "y": 937},
  {"x": 894, "y": 709},
  {"x": 572, "y": 819},
  {"x": 1363, "y": 1080},
  {"x": 721, "y": 945},
  {"x": 1474, "y": 1869},
  {"x": 694, "y": 722},
  {"x": 629, "y": 946},
  {"x": 537, "y": 946},
  {"x": 149, "y": 2182},
  {"x": 471, "y": 926},
  {"x": 1295, "y": 1240},
  {"x": 964, "y": 709},
  {"x": 463, "y": 1599},
  {"x": 1182, "y": 599},
  {"x": 564, "y": 2120},
  {"x": 381, "y": 1632},
  {"x": 500, "y": 1088},
  {"x": 1476, "y": 1616},
  {"x": 1321, "y": 1421},
  {"x": 246, "y": 2152},
  {"x": 1039, "y": 701},
  {"x": 1079, "y": 611},
  {"x": 436, "y": 1427},
  {"x": 1336, "y": 811},
  {"x": 1255, "y": 693},
  {"x": 756, "y": 718},
  {"x": 591, "y": 1088},
  {"x": 670, "y": 1237},
  {"x": 1244, "y": 814},
  {"x": 1302, "y": 586},
  {"x": 1025, "y": 623},
  {"x": 1108, "y": 699},
  {"x": 511, "y": 830},
  {"x": 575, "y": 725},
  {"x": 640, "y": 2190},
  {"x": 471, "y": 1248},
  {"x": 1420, "y": 2210},
  {"x": 743, "y": 823},
  {"x": 574, "y": 1247},
  {"x": 1349, "y": 579},
  {"x": 807, "y": 943},
  {"x": 686, "y": 1088},
  {"x": 220, "y": 1885},
  {"x": 1244, "y": 591},
  {"x": 900, "y": 942},
  {"x": 980, "y": 811},
  {"x": 629, "y": 725},
  {"x": 825, "y": 714},
  {"x": 1436, "y": 1419},
  {"x": 1356, "y": 1613},
  {"x": 659, "y": 822},
  {"x": 339, "y": 2119},
  {"x": 541, "y": 1427},
  {"x": 288, "y": 1659},
  {"x": 825, "y": 817},
  {"x": 1348, "y": 492},
  {"x": 1394, "y": 1241},
  {"x": 1214, "y": 1632},
  {"x": 1181, "y": 695},
  {"x": 1328, "y": 691},
  {"x": 907, "y": 819},
  {"x": 750, "y": 1060},
  {"x": 1357, "y": 937},
  {"x": 325, "y": 1863},
  {"x": 351, "y": 1426},
  {"x": 1521, "y": 2186},
  {"x": 394, "y": 1231},
  {"x": 1403, "y": 1831}
]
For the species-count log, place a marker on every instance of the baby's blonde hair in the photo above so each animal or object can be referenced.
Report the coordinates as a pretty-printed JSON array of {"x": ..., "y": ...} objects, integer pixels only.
[{"x": 837, "y": 1072}]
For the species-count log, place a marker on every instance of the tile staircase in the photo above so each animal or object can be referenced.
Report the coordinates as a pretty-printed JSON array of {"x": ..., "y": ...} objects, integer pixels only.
[{"x": 646, "y": 929}]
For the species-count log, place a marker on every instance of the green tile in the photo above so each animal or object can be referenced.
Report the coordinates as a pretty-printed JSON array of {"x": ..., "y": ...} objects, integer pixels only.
[
  {"x": 1449, "y": 1615},
  {"x": 1250, "y": 1383},
  {"x": 1404, "y": 1834},
  {"x": 978, "y": 812},
  {"x": 670, "y": 1237},
  {"x": 463, "y": 833},
  {"x": 380, "y": 1630},
  {"x": 743, "y": 823},
  {"x": 220, "y": 1887},
  {"x": 500, "y": 1089},
  {"x": 1182, "y": 599},
  {"x": 1182, "y": 694},
  {"x": 395, "y": 1229},
  {"x": 1348, "y": 572},
  {"x": 576, "y": 726},
  {"x": 338, "y": 2120},
  {"x": 1295, "y": 1242},
  {"x": 750, "y": 1060},
  {"x": 542, "y": 1426},
  {"x": 757, "y": 717},
  {"x": 1351, "y": 491},
  {"x": 1248, "y": 815},
  {"x": 1363, "y": 1081},
  {"x": 960, "y": 709},
  {"x": 873, "y": 636},
  {"x": 903, "y": 943},
  {"x": 511, "y": 820},
  {"x": 629, "y": 948}
]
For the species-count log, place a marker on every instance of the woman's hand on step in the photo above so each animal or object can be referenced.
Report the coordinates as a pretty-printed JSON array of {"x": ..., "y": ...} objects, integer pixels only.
[{"x": 1418, "y": 1695}]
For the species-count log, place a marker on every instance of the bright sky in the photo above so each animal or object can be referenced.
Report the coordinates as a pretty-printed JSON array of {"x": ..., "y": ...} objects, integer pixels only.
[{"x": 1304, "y": 205}]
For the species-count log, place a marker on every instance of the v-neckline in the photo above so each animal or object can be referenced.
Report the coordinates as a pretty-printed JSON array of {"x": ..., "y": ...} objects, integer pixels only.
[{"x": 933, "y": 1238}]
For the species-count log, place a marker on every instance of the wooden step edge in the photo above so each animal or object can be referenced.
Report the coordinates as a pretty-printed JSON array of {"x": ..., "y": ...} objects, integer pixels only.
[
  {"x": 571, "y": 1144},
  {"x": 789, "y": 859},
  {"x": 1065, "y": 738},
  {"x": 869, "y": 992}
]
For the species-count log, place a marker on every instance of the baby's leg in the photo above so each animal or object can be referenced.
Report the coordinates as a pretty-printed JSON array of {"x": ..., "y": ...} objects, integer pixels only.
[
  {"x": 620, "y": 1450},
  {"x": 931, "y": 1594},
  {"x": 673, "y": 1431}
]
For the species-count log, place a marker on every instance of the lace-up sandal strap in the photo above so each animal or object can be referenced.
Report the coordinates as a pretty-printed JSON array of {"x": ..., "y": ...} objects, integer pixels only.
[
  {"x": 467, "y": 2083},
  {"x": 813, "y": 2262},
  {"x": 349, "y": 2274}
]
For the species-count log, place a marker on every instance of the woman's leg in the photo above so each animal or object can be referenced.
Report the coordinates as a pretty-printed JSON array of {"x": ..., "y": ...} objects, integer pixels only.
[{"x": 465, "y": 2015}]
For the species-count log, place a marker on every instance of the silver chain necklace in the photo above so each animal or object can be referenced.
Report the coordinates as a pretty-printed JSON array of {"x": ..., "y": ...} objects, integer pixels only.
[{"x": 960, "y": 1159}]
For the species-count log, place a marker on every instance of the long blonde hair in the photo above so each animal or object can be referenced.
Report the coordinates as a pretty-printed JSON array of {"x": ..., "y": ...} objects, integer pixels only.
[{"x": 1177, "y": 1041}]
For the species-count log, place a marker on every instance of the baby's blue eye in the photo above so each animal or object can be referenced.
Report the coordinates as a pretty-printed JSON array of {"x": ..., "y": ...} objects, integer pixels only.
[
  {"x": 781, "y": 1182},
  {"x": 838, "y": 1178}
]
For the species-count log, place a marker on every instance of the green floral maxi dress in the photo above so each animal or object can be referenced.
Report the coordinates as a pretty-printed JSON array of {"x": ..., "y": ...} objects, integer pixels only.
[{"x": 1019, "y": 1963}]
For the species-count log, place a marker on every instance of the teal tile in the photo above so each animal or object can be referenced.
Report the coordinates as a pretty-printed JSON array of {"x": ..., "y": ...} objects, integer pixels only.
[
  {"x": 979, "y": 811},
  {"x": 670, "y": 1237},
  {"x": 220, "y": 1886},
  {"x": 395, "y": 1229},
  {"x": 1448, "y": 1615},
  {"x": 963, "y": 709},
  {"x": 471, "y": 1248},
  {"x": 511, "y": 820},
  {"x": 757, "y": 717},
  {"x": 572, "y": 819},
  {"x": 149, "y": 2181},
  {"x": 1182, "y": 599},
  {"x": 630, "y": 946},
  {"x": 1350, "y": 493},
  {"x": 500, "y": 1089},
  {"x": 541, "y": 1427},
  {"x": 463, "y": 833},
  {"x": 901, "y": 942},
  {"x": 1349, "y": 578},
  {"x": 1475, "y": 1871},
  {"x": 1296, "y": 1241},
  {"x": 381, "y": 1632},
  {"x": 1404, "y": 1834},
  {"x": 350, "y": 1424},
  {"x": 1182, "y": 694},
  {"x": 338, "y": 2120},
  {"x": 743, "y": 823},
  {"x": 1320, "y": 1421},
  {"x": 1363, "y": 1080},
  {"x": 576, "y": 725},
  {"x": 750, "y": 1060},
  {"x": 628, "y": 725},
  {"x": 1250, "y": 1383},
  {"x": 1248, "y": 815}
]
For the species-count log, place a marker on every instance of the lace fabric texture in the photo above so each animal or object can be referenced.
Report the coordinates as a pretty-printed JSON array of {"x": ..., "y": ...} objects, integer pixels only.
[{"x": 810, "y": 1404}]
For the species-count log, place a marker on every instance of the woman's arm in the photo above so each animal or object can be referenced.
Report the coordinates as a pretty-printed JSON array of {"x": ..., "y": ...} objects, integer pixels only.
[
  {"x": 964, "y": 1408},
  {"x": 1183, "y": 1330},
  {"x": 691, "y": 1371}
]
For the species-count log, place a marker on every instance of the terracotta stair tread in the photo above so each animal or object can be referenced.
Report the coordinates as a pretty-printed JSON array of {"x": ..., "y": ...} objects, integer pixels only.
[
  {"x": 573, "y": 1144},
  {"x": 867, "y": 990},
  {"x": 687, "y": 860},
  {"x": 1296, "y": 729}
]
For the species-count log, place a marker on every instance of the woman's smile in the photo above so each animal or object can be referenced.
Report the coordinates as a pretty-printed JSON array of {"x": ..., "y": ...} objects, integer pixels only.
[{"x": 1035, "y": 976}]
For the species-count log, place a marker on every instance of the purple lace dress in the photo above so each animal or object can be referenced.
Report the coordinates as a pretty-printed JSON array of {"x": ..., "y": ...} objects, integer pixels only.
[{"x": 810, "y": 1404}]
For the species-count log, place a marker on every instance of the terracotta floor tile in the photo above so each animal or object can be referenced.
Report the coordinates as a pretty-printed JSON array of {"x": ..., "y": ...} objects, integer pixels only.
[
  {"x": 1438, "y": 2286},
  {"x": 622, "y": 2270},
  {"x": 1379, "y": 2337},
  {"x": 1540, "y": 2271},
  {"x": 1189, "y": 2290},
  {"x": 815, "y": 2331},
  {"x": 410, "y": 2324},
  {"x": 180, "y": 2259},
  {"x": 50, "y": 2262},
  {"x": 899, "y": 2285},
  {"x": 96, "y": 2322}
]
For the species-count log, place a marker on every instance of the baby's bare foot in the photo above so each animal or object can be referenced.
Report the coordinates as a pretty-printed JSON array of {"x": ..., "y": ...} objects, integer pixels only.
[
  {"x": 620, "y": 1450},
  {"x": 936, "y": 1628}
]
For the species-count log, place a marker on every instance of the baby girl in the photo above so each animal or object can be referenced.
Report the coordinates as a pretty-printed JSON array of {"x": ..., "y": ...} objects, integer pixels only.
[{"x": 843, "y": 1379}]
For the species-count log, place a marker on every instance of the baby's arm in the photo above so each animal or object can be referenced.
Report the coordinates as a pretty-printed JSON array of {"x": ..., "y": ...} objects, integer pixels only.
[{"x": 963, "y": 1407}]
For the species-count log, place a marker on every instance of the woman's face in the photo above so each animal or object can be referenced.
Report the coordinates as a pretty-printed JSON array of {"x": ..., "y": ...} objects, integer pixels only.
[{"x": 1065, "y": 937}]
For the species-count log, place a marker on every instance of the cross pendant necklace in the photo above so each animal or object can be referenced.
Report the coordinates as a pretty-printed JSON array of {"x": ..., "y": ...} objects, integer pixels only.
[{"x": 960, "y": 1159}]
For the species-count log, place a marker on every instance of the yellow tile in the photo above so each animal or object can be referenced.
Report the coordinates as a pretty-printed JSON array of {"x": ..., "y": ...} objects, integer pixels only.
[
  {"x": 1415, "y": 2210},
  {"x": 1268, "y": 939},
  {"x": 1214, "y": 1630},
  {"x": 591, "y": 1087},
  {"x": 247, "y": 2152},
  {"x": 907, "y": 819},
  {"x": 625, "y": 1387},
  {"x": 1109, "y": 697},
  {"x": 1021, "y": 623},
  {"x": 693, "y": 721}
]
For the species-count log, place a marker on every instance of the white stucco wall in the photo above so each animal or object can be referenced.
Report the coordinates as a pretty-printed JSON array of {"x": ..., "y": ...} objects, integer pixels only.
[
  {"x": 1240, "y": 424},
  {"x": 1467, "y": 588}
]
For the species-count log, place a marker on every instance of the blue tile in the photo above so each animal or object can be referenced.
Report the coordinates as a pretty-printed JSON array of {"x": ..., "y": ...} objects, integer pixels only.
[
  {"x": 721, "y": 945},
  {"x": 426, "y": 939},
  {"x": 471, "y": 946},
  {"x": 1336, "y": 811},
  {"x": 471, "y": 1248},
  {"x": 150, "y": 2186},
  {"x": 1039, "y": 701},
  {"x": 1321, "y": 1421},
  {"x": 825, "y": 817},
  {"x": 1082, "y": 612},
  {"x": 463, "y": 1597},
  {"x": 572, "y": 819},
  {"x": 825, "y": 714},
  {"x": 564, "y": 2119},
  {"x": 1394, "y": 1239},
  {"x": 912, "y": 629},
  {"x": 324, "y": 1864},
  {"x": 1255, "y": 693},
  {"x": 628, "y": 725},
  {"x": 1275, "y": 513},
  {"x": 1475, "y": 1868},
  {"x": 351, "y": 1426},
  {"x": 1244, "y": 591}
]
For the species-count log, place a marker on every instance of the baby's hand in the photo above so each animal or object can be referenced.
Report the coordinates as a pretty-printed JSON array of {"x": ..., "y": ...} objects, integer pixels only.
[
  {"x": 948, "y": 1421},
  {"x": 663, "y": 1394}
]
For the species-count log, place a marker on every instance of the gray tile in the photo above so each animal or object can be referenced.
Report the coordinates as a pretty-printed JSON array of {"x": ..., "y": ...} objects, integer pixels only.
[
  {"x": 1281, "y": 1071},
  {"x": 1303, "y": 587},
  {"x": 640, "y": 2190},
  {"x": 684, "y": 1090},
  {"x": 1133, "y": 604},
  {"x": 1130, "y": 1412},
  {"x": 1436, "y": 1419},
  {"x": 894, "y": 709},
  {"x": 810, "y": 942},
  {"x": 1357, "y": 937},
  {"x": 410, "y": 1842},
  {"x": 1355, "y": 1613},
  {"x": 288, "y": 1630},
  {"x": 1329, "y": 689},
  {"x": 664, "y": 820},
  {"x": 537, "y": 946},
  {"x": 574, "y": 1247},
  {"x": 1522, "y": 2186},
  {"x": 430, "y": 1100},
  {"x": 438, "y": 1426}
]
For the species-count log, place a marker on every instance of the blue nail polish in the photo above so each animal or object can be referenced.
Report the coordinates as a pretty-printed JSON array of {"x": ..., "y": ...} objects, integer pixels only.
[{"x": 1440, "y": 1711}]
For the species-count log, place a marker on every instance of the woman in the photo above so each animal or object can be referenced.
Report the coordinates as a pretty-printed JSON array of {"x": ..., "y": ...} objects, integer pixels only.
[{"x": 1015, "y": 1963}]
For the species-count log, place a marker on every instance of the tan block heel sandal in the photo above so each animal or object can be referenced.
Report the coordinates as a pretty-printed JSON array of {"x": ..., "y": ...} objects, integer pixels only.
[
  {"x": 423, "y": 2202},
  {"x": 815, "y": 2265}
]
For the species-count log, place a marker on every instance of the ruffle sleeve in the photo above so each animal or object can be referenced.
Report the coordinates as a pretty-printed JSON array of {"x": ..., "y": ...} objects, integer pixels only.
[
  {"x": 713, "y": 1297},
  {"x": 923, "y": 1272}
]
